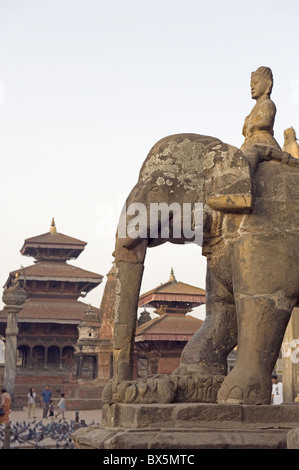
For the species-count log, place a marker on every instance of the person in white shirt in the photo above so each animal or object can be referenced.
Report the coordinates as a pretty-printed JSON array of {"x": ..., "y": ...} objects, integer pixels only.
[
  {"x": 31, "y": 402},
  {"x": 277, "y": 391}
]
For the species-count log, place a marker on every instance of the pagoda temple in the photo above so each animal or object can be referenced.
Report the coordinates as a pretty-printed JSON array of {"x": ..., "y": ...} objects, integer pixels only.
[
  {"x": 48, "y": 322},
  {"x": 159, "y": 341}
]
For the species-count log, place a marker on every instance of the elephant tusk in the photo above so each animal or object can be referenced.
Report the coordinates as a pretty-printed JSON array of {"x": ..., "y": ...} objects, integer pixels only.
[{"x": 231, "y": 202}]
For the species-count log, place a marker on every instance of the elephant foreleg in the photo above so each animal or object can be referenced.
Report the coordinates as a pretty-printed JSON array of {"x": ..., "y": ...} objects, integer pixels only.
[
  {"x": 265, "y": 274},
  {"x": 206, "y": 352},
  {"x": 129, "y": 271},
  {"x": 259, "y": 344}
]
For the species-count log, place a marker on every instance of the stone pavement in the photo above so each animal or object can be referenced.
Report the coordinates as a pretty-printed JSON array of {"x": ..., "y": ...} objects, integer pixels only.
[
  {"x": 19, "y": 420},
  {"x": 88, "y": 415}
]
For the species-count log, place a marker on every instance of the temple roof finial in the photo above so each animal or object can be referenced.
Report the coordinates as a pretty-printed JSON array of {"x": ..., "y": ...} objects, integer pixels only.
[
  {"x": 53, "y": 227},
  {"x": 172, "y": 276}
]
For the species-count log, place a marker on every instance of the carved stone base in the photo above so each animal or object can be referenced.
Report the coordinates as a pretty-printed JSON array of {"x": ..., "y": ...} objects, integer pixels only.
[
  {"x": 165, "y": 389},
  {"x": 190, "y": 426}
]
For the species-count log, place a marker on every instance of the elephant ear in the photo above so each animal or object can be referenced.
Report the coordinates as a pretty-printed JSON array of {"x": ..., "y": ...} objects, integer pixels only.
[
  {"x": 229, "y": 186},
  {"x": 219, "y": 173}
]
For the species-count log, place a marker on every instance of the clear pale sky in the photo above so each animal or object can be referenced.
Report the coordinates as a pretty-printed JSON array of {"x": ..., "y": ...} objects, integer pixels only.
[{"x": 87, "y": 88}]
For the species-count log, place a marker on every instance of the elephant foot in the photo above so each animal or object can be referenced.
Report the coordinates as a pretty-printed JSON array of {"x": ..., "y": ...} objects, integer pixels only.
[
  {"x": 198, "y": 388},
  {"x": 165, "y": 389},
  {"x": 245, "y": 387},
  {"x": 152, "y": 389}
]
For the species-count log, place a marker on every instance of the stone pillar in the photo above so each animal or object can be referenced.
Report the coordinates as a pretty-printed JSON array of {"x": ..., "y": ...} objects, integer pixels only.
[
  {"x": 79, "y": 366},
  {"x": 46, "y": 358},
  {"x": 30, "y": 357},
  {"x": 290, "y": 359},
  {"x": 60, "y": 358},
  {"x": 7, "y": 433},
  {"x": 13, "y": 298},
  {"x": 11, "y": 333}
]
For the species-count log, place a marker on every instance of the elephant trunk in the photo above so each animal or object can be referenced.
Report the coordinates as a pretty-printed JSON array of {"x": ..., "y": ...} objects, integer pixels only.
[{"x": 128, "y": 282}]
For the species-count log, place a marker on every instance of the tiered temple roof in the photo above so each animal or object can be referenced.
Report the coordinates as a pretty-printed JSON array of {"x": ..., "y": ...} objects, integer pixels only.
[
  {"x": 173, "y": 296},
  {"x": 53, "y": 246},
  {"x": 53, "y": 286},
  {"x": 172, "y": 301}
]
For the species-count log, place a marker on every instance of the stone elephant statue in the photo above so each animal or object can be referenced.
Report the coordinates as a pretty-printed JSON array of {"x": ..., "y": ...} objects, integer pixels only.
[{"x": 250, "y": 221}]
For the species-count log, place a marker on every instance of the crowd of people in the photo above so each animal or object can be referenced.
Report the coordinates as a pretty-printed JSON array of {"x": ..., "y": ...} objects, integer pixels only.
[
  {"x": 48, "y": 405},
  {"x": 48, "y": 408}
]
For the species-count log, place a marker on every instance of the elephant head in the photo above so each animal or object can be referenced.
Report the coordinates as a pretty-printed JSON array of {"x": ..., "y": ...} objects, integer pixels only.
[{"x": 184, "y": 173}]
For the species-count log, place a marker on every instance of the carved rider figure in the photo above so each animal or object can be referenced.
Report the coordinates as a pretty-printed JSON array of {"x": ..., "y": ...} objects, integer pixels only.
[
  {"x": 258, "y": 126},
  {"x": 290, "y": 142}
]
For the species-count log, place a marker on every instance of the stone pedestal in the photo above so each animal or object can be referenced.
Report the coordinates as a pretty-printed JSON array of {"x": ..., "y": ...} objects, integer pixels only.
[{"x": 190, "y": 426}]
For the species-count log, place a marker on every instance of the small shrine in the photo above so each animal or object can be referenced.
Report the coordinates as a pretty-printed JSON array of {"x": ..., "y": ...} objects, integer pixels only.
[
  {"x": 87, "y": 347},
  {"x": 159, "y": 341}
]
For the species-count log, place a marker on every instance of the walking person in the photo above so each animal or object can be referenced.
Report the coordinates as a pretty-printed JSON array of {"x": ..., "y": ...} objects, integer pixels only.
[
  {"x": 46, "y": 398},
  {"x": 61, "y": 406},
  {"x": 277, "y": 391},
  {"x": 51, "y": 410},
  {"x": 31, "y": 403},
  {"x": 6, "y": 406}
]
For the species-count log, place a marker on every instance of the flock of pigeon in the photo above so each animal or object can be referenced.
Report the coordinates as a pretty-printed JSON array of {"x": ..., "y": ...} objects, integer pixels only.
[{"x": 56, "y": 434}]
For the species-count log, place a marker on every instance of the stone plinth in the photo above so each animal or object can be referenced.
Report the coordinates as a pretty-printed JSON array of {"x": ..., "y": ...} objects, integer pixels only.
[
  {"x": 293, "y": 439},
  {"x": 190, "y": 426}
]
